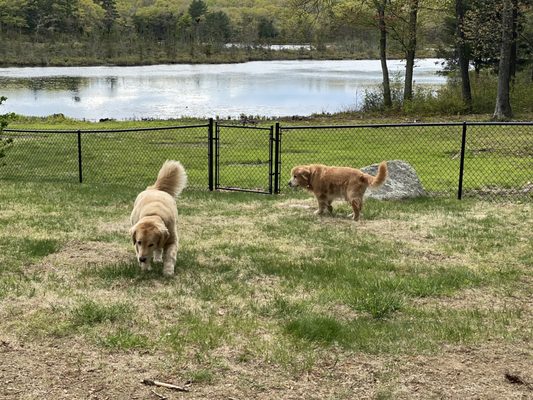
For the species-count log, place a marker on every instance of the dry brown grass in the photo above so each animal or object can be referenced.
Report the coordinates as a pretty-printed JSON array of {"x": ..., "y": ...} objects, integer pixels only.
[{"x": 42, "y": 355}]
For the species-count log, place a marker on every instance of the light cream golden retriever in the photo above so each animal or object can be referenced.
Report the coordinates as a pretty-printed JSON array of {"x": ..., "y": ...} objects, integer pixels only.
[
  {"x": 329, "y": 183},
  {"x": 154, "y": 216}
]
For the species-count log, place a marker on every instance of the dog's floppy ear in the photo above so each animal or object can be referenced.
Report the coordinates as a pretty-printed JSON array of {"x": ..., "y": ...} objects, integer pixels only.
[
  {"x": 163, "y": 235},
  {"x": 133, "y": 233},
  {"x": 304, "y": 173}
]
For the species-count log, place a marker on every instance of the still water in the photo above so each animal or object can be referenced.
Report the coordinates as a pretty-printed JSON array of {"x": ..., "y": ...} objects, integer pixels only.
[{"x": 266, "y": 88}]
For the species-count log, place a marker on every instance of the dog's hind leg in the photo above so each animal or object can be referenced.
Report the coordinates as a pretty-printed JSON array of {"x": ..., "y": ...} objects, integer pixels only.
[
  {"x": 169, "y": 259},
  {"x": 330, "y": 207},
  {"x": 357, "y": 206}
]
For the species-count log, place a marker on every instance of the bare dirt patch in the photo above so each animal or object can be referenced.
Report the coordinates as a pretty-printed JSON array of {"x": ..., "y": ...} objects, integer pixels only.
[
  {"x": 83, "y": 253},
  {"x": 70, "y": 370}
]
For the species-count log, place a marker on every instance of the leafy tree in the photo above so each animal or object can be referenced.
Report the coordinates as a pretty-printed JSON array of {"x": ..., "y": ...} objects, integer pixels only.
[
  {"x": 218, "y": 27},
  {"x": 5, "y": 144},
  {"x": 111, "y": 13},
  {"x": 12, "y": 14},
  {"x": 197, "y": 9},
  {"x": 52, "y": 16},
  {"x": 266, "y": 28}
]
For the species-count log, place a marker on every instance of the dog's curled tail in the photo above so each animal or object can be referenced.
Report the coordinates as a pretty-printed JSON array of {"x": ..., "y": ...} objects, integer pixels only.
[
  {"x": 172, "y": 178},
  {"x": 375, "y": 181}
]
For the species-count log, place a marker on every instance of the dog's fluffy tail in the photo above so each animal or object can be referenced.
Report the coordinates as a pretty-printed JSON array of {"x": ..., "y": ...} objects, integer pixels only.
[
  {"x": 375, "y": 181},
  {"x": 172, "y": 178}
]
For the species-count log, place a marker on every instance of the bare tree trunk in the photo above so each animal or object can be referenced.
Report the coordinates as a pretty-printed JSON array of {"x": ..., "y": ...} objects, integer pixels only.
[
  {"x": 462, "y": 54},
  {"x": 503, "y": 105},
  {"x": 515, "y": 36},
  {"x": 387, "y": 100},
  {"x": 410, "y": 51}
]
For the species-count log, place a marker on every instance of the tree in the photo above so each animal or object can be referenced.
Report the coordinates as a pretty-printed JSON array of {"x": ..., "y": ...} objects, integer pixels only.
[
  {"x": 381, "y": 6},
  {"x": 266, "y": 29},
  {"x": 217, "y": 27},
  {"x": 111, "y": 13},
  {"x": 503, "y": 105},
  {"x": 5, "y": 144},
  {"x": 197, "y": 9},
  {"x": 410, "y": 50},
  {"x": 462, "y": 54},
  {"x": 12, "y": 14}
]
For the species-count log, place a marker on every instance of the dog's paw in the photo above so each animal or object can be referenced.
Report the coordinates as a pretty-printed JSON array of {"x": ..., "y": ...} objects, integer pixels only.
[{"x": 146, "y": 267}]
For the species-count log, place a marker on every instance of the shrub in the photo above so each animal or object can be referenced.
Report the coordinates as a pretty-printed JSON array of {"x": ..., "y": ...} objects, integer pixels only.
[
  {"x": 5, "y": 143},
  {"x": 447, "y": 100}
]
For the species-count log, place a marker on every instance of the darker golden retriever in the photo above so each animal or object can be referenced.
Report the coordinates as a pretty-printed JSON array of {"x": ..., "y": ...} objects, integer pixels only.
[
  {"x": 329, "y": 183},
  {"x": 154, "y": 216}
]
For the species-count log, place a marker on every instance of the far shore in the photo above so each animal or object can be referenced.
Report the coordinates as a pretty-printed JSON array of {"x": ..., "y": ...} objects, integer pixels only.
[{"x": 229, "y": 56}]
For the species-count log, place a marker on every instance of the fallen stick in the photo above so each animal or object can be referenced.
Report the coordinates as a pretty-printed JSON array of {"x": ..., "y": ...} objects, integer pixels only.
[
  {"x": 150, "y": 382},
  {"x": 159, "y": 395}
]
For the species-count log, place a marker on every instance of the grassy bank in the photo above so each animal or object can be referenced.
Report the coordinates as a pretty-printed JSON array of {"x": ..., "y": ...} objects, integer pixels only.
[{"x": 268, "y": 300}]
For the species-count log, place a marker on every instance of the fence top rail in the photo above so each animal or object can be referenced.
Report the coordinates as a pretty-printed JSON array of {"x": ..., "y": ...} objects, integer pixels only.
[
  {"x": 89, "y": 131},
  {"x": 261, "y": 128},
  {"x": 417, "y": 124},
  {"x": 517, "y": 123}
]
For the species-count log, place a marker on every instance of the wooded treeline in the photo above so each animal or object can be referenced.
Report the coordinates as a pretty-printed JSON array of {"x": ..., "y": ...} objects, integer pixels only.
[{"x": 495, "y": 35}]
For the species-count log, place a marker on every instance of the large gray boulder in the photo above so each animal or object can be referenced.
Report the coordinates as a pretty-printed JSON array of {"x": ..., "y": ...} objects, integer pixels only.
[{"x": 402, "y": 182}]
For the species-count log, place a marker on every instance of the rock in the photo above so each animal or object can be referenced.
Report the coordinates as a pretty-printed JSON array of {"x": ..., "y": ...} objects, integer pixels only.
[{"x": 402, "y": 182}]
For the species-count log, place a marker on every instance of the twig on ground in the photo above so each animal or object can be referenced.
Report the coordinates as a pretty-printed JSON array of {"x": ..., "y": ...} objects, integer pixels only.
[
  {"x": 159, "y": 395},
  {"x": 150, "y": 382}
]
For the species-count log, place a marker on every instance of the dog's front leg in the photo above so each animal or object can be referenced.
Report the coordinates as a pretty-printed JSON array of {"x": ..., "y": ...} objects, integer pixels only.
[
  {"x": 322, "y": 205},
  {"x": 169, "y": 259},
  {"x": 158, "y": 255}
]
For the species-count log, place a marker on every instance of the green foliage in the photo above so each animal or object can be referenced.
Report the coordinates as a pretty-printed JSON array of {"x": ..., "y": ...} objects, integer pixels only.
[
  {"x": 447, "y": 100},
  {"x": 5, "y": 143},
  {"x": 266, "y": 29},
  {"x": 197, "y": 9}
]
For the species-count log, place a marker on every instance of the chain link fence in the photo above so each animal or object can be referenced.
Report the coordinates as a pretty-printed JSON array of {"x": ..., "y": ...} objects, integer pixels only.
[
  {"x": 244, "y": 158},
  {"x": 488, "y": 160},
  {"x": 432, "y": 150},
  {"x": 128, "y": 156}
]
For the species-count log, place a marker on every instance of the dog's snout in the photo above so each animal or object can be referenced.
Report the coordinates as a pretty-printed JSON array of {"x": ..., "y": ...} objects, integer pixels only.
[{"x": 142, "y": 259}]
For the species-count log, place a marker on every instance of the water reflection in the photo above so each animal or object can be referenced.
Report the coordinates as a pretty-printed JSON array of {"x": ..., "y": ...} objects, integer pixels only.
[{"x": 273, "y": 88}]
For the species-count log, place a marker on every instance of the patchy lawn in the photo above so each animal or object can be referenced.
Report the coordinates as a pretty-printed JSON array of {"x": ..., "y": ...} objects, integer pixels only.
[{"x": 421, "y": 299}]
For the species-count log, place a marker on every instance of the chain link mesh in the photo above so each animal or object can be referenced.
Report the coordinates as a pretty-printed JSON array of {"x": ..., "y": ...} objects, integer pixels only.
[
  {"x": 244, "y": 158},
  {"x": 498, "y": 158},
  {"x": 129, "y": 157},
  {"x": 432, "y": 150}
]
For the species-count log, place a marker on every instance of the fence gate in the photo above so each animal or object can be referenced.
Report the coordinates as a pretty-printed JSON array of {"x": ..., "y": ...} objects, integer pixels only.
[{"x": 244, "y": 158}]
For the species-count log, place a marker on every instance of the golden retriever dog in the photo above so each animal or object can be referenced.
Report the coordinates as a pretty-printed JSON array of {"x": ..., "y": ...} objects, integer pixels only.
[
  {"x": 329, "y": 183},
  {"x": 153, "y": 219}
]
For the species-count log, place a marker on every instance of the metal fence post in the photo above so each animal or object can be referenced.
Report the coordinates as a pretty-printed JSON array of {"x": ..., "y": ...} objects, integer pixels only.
[
  {"x": 210, "y": 154},
  {"x": 271, "y": 146},
  {"x": 80, "y": 170},
  {"x": 277, "y": 158},
  {"x": 462, "y": 163}
]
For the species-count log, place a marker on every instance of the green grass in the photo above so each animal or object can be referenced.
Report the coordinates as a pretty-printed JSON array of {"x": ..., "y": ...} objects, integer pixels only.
[
  {"x": 261, "y": 283},
  {"x": 90, "y": 313}
]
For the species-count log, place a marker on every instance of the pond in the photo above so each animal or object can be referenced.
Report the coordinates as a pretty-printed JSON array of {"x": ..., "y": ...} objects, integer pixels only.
[{"x": 264, "y": 88}]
